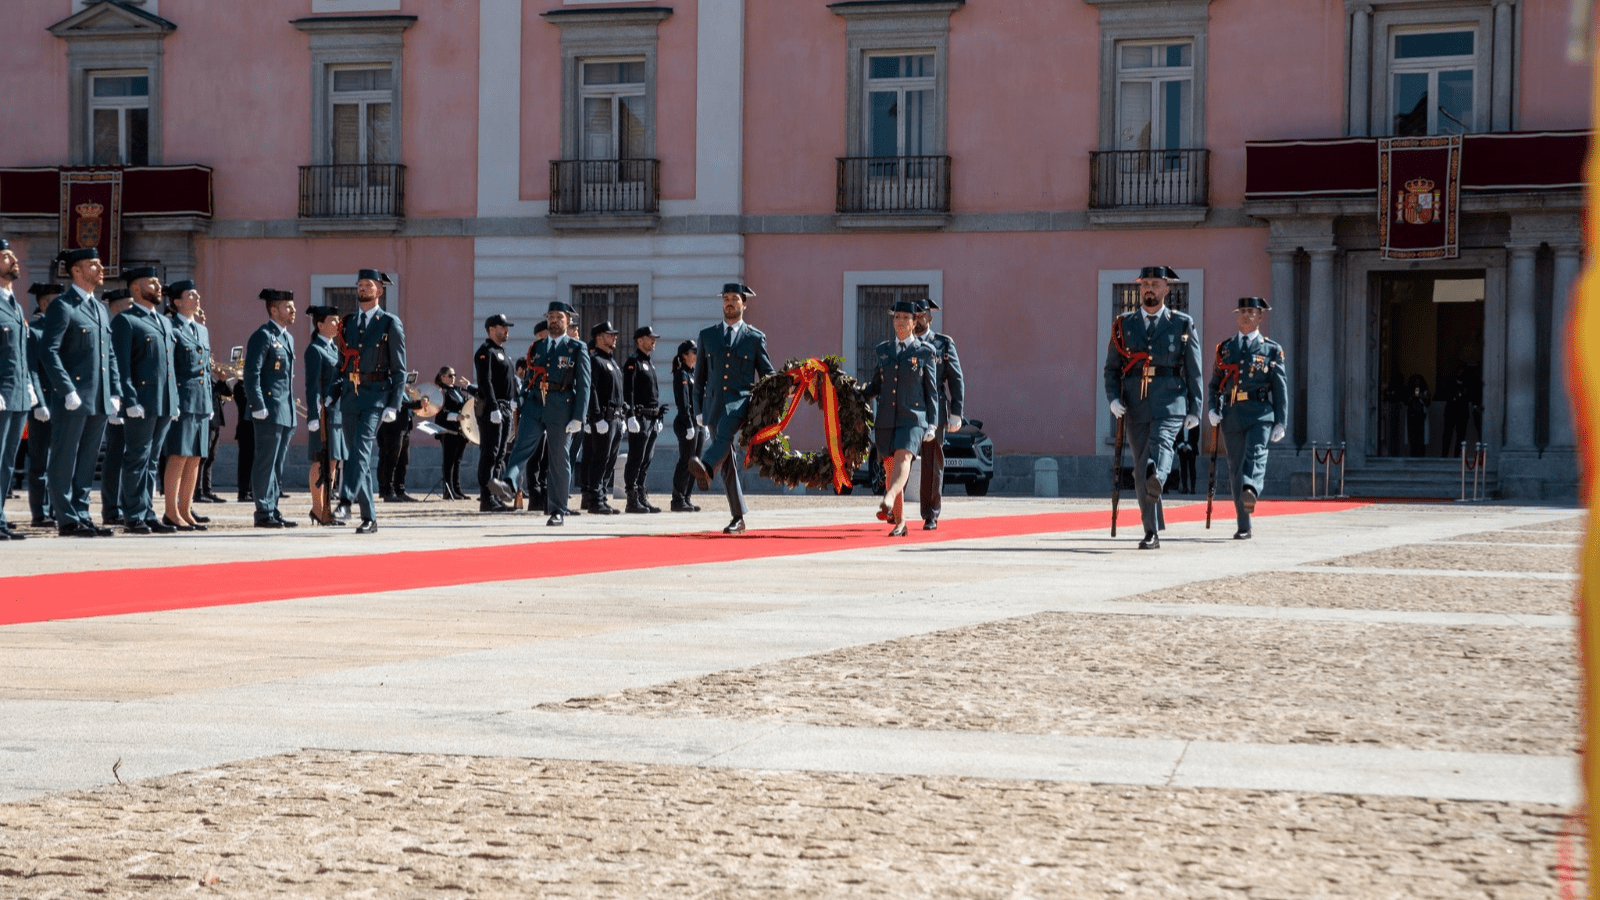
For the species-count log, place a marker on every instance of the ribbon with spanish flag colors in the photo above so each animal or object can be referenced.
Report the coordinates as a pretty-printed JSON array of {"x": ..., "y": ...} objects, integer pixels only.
[{"x": 811, "y": 382}]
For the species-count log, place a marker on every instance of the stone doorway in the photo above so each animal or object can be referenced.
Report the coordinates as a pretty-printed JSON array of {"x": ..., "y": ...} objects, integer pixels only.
[{"x": 1429, "y": 389}]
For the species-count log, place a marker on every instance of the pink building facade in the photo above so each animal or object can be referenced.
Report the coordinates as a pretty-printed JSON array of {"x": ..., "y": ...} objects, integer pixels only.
[{"x": 1016, "y": 160}]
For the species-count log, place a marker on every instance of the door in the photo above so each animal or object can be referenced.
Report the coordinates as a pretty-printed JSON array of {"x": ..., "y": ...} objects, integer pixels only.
[{"x": 1429, "y": 390}]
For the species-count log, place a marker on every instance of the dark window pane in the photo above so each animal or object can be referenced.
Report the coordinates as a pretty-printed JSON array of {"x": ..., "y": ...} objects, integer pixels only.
[
  {"x": 614, "y": 303},
  {"x": 883, "y": 67},
  {"x": 874, "y": 325},
  {"x": 1439, "y": 43},
  {"x": 138, "y": 137}
]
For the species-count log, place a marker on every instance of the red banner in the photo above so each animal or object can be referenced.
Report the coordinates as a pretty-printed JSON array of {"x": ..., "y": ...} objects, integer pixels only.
[
  {"x": 91, "y": 213},
  {"x": 1419, "y": 193}
]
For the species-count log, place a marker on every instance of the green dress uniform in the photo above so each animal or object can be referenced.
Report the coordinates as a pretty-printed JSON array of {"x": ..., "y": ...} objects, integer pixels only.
[
  {"x": 75, "y": 353},
  {"x": 374, "y": 369},
  {"x": 144, "y": 343},
  {"x": 16, "y": 390},
  {"x": 726, "y": 370},
  {"x": 268, "y": 385},
  {"x": 1250, "y": 390},
  {"x": 1154, "y": 369},
  {"x": 39, "y": 428},
  {"x": 191, "y": 363},
  {"x": 322, "y": 380},
  {"x": 903, "y": 381},
  {"x": 561, "y": 363}
]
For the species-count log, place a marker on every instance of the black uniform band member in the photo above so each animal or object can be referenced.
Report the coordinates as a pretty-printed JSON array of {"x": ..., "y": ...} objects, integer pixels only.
[
  {"x": 642, "y": 396},
  {"x": 394, "y": 448},
  {"x": 1249, "y": 401},
  {"x": 686, "y": 425},
  {"x": 374, "y": 370},
  {"x": 903, "y": 382},
  {"x": 497, "y": 397},
  {"x": 1152, "y": 377},
  {"x": 603, "y": 435},
  {"x": 452, "y": 443},
  {"x": 952, "y": 394},
  {"x": 733, "y": 357}
]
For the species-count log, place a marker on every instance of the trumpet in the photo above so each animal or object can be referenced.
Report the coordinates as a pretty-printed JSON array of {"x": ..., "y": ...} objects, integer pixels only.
[{"x": 234, "y": 368}]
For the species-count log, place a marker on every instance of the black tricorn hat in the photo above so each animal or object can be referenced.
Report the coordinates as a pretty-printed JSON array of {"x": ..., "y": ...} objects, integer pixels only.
[
  {"x": 903, "y": 306},
  {"x": 734, "y": 287},
  {"x": 70, "y": 258},
  {"x": 1158, "y": 272},
  {"x": 373, "y": 275},
  {"x": 129, "y": 276},
  {"x": 926, "y": 304},
  {"x": 1253, "y": 303},
  {"x": 602, "y": 328},
  {"x": 45, "y": 288},
  {"x": 273, "y": 296},
  {"x": 179, "y": 288},
  {"x": 318, "y": 313},
  {"x": 5, "y": 244},
  {"x": 115, "y": 295},
  {"x": 561, "y": 306}
]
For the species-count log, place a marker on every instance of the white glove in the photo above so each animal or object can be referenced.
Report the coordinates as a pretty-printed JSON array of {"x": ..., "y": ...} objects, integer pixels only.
[
  {"x": 602, "y": 427},
  {"x": 389, "y": 415},
  {"x": 33, "y": 399},
  {"x": 42, "y": 413},
  {"x": 700, "y": 419},
  {"x": 327, "y": 401},
  {"x": 73, "y": 401},
  {"x": 574, "y": 426},
  {"x": 135, "y": 412},
  {"x": 176, "y": 418},
  {"x": 1118, "y": 409},
  {"x": 1277, "y": 433},
  {"x": 929, "y": 436},
  {"x": 210, "y": 416},
  {"x": 658, "y": 426},
  {"x": 258, "y": 414},
  {"x": 633, "y": 425},
  {"x": 113, "y": 420},
  {"x": 705, "y": 432},
  {"x": 953, "y": 423},
  {"x": 313, "y": 425},
  {"x": 494, "y": 416},
  {"x": 452, "y": 417},
  {"x": 3, "y": 402},
  {"x": 116, "y": 405},
  {"x": 1214, "y": 417},
  {"x": 1191, "y": 422}
]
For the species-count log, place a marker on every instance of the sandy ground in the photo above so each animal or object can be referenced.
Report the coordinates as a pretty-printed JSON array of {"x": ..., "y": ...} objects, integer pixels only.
[
  {"x": 389, "y": 826},
  {"x": 1474, "y": 557}
]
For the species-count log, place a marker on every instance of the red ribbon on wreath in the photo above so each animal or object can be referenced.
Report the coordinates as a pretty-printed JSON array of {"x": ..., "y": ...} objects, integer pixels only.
[{"x": 811, "y": 381}]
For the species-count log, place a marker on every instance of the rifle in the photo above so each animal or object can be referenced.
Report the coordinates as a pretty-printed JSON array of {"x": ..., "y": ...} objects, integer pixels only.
[
  {"x": 1116, "y": 474},
  {"x": 1211, "y": 480}
]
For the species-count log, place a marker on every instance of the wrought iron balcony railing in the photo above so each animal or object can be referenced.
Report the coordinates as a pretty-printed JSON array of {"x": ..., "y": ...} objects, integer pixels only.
[
  {"x": 894, "y": 184},
  {"x": 1149, "y": 178},
  {"x": 605, "y": 186},
  {"x": 376, "y": 190}
]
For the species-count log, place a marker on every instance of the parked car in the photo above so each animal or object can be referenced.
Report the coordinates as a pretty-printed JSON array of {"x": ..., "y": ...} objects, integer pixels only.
[{"x": 968, "y": 460}]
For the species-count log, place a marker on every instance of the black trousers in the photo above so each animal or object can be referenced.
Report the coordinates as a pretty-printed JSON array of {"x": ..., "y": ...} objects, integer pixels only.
[
  {"x": 394, "y": 455},
  {"x": 641, "y": 450},
  {"x": 690, "y": 444},
  {"x": 600, "y": 460},
  {"x": 246, "y": 435},
  {"x": 494, "y": 443},
  {"x": 932, "y": 486},
  {"x": 453, "y": 446}
]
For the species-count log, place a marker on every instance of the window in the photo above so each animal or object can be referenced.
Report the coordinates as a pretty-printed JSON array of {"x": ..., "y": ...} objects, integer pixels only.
[
  {"x": 899, "y": 105},
  {"x": 874, "y": 324},
  {"x": 614, "y": 303},
  {"x": 612, "y": 95},
  {"x": 119, "y": 118},
  {"x": 341, "y": 298},
  {"x": 1432, "y": 91},
  {"x": 1155, "y": 95},
  {"x": 361, "y": 107}
]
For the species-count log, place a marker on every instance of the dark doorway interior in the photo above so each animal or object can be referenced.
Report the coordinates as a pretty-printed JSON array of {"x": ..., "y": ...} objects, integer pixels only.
[{"x": 1430, "y": 362}]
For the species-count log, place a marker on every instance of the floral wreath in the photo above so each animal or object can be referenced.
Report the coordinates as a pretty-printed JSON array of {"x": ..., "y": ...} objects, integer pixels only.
[{"x": 847, "y": 424}]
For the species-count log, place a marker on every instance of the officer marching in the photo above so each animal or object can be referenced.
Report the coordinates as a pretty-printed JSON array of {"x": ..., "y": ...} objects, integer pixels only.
[
  {"x": 559, "y": 371},
  {"x": 1152, "y": 377},
  {"x": 373, "y": 345},
  {"x": 1249, "y": 403}
]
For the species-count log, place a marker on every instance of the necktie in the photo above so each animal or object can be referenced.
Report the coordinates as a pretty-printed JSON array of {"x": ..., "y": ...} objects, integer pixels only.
[{"x": 727, "y": 335}]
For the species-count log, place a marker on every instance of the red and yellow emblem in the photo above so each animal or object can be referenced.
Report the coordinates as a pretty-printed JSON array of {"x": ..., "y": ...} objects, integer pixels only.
[
  {"x": 89, "y": 223},
  {"x": 1418, "y": 203}
]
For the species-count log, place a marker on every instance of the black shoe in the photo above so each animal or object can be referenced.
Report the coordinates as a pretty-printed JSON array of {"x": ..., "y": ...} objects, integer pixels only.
[
  {"x": 490, "y": 505},
  {"x": 605, "y": 509},
  {"x": 159, "y": 527},
  {"x": 285, "y": 523},
  {"x": 176, "y": 526},
  {"x": 109, "y": 519},
  {"x": 735, "y": 527},
  {"x": 693, "y": 508},
  {"x": 899, "y": 530},
  {"x": 555, "y": 519},
  {"x": 930, "y": 524},
  {"x": 76, "y": 529},
  {"x": 367, "y": 526},
  {"x": 644, "y": 501},
  {"x": 502, "y": 491},
  {"x": 1241, "y": 535},
  {"x": 12, "y": 536},
  {"x": 341, "y": 511},
  {"x": 701, "y": 475},
  {"x": 634, "y": 506},
  {"x": 1152, "y": 486},
  {"x": 44, "y": 523},
  {"x": 569, "y": 512},
  {"x": 245, "y": 497},
  {"x": 200, "y": 520},
  {"x": 102, "y": 532},
  {"x": 678, "y": 506},
  {"x": 1151, "y": 542},
  {"x": 1247, "y": 499},
  {"x": 388, "y": 498},
  {"x": 404, "y": 497},
  {"x": 268, "y": 522},
  {"x": 136, "y": 528}
]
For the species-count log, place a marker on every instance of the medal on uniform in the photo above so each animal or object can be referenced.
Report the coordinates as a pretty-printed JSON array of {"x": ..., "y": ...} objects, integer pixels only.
[{"x": 1146, "y": 375}]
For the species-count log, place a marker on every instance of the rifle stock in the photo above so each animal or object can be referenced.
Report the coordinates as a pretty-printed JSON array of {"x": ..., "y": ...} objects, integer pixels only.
[{"x": 1116, "y": 475}]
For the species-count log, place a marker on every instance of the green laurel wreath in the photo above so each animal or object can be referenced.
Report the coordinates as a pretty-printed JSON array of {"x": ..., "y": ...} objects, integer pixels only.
[{"x": 784, "y": 465}]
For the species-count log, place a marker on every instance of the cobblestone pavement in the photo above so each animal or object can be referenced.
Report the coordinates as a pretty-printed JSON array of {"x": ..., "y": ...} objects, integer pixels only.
[
  {"x": 1339, "y": 590},
  {"x": 1479, "y": 557},
  {"x": 382, "y": 825}
]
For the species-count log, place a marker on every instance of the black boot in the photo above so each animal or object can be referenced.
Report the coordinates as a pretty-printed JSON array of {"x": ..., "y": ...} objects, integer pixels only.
[
  {"x": 634, "y": 504},
  {"x": 644, "y": 501}
]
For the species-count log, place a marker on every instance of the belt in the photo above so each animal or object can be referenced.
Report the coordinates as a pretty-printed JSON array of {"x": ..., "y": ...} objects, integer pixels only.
[
  {"x": 373, "y": 376},
  {"x": 1176, "y": 371},
  {"x": 1262, "y": 394}
]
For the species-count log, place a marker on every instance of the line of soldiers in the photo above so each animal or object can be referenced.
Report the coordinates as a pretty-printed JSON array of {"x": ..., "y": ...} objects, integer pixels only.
[{"x": 1152, "y": 382}]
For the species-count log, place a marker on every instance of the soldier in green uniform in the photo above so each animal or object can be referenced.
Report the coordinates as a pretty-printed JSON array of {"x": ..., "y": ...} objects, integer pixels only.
[
  {"x": 143, "y": 340},
  {"x": 1250, "y": 402},
  {"x": 559, "y": 374},
  {"x": 1152, "y": 381},
  {"x": 268, "y": 391},
  {"x": 374, "y": 369}
]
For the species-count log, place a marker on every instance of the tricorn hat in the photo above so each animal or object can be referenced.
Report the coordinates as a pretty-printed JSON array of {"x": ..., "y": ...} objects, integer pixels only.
[
  {"x": 1158, "y": 272},
  {"x": 178, "y": 288},
  {"x": 45, "y": 289},
  {"x": 5, "y": 244},
  {"x": 602, "y": 328},
  {"x": 273, "y": 296},
  {"x": 115, "y": 295},
  {"x": 318, "y": 313},
  {"x": 562, "y": 306},
  {"x": 903, "y": 306},
  {"x": 541, "y": 327},
  {"x": 1253, "y": 303},
  {"x": 926, "y": 304},
  {"x": 129, "y": 276},
  {"x": 734, "y": 287},
  {"x": 373, "y": 275},
  {"x": 70, "y": 258}
]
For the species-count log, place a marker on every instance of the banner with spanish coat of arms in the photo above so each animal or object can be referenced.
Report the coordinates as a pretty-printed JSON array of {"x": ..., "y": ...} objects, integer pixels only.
[
  {"x": 1419, "y": 192},
  {"x": 91, "y": 212}
]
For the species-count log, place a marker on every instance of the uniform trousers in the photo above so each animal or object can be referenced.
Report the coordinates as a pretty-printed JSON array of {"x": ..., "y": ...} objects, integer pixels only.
[
  {"x": 361, "y": 469},
  {"x": 600, "y": 459},
  {"x": 203, "y": 483},
  {"x": 641, "y": 450},
  {"x": 931, "y": 498},
  {"x": 557, "y": 488},
  {"x": 1151, "y": 442},
  {"x": 245, "y": 434},
  {"x": 722, "y": 456},
  {"x": 111, "y": 473},
  {"x": 74, "y": 449},
  {"x": 494, "y": 443},
  {"x": 266, "y": 470},
  {"x": 38, "y": 463},
  {"x": 11, "y": 424},
  {"x": 690, "y": 443},
  {"x": 394, "y": 456},
  {"x": 1246, "y": 440},
  {"x": 521, "y": 463},
  {"x": 142, "y": 441},
  {"x": 452, "y": 446}
]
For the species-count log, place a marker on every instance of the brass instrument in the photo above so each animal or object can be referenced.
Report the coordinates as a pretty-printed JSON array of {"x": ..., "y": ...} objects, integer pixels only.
[{"x": 233, "y": 369}]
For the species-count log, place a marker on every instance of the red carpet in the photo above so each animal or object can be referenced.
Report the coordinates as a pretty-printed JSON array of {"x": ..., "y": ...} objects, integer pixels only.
[{"x": 74, "y": 595}]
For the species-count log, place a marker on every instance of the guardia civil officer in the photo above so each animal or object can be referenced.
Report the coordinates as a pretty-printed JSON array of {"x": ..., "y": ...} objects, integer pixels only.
[
  {"x": 374, "y": 385},
  {"x": 1249, "y": 400},
  {"x": 1152, "y": 381},
  {"x": 904, "y": 383},
  {"x": 44, "y": 294},
  {"x": 17, "y": 392},
  {"x": 189, "y": 439},
  {"x": 686, "y": 425},
  {"x": 642, "y": 396},
  {"x": 117, "y": 302},
  {"x": 733, "y": 357},
  {"x": 82, "y": 370},
  {"x": 602, "y": 440},
  {"x": 144, "y": 341},
  {"x": 322, "y": 394},
  {"x": 560, "y": 372},
  {"x": 951, "y": 396},
  {"x": 269, "y": 392},
  {"x": 497, "y": 392}
]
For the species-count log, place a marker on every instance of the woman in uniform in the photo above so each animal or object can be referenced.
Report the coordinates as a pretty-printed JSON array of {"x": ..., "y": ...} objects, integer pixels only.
[
  {"x": 691, "y": 435},
  {"x": 189, "y": 438},
  {"x": 904, "y": 380},
  {"x": 322, "y": 380}
]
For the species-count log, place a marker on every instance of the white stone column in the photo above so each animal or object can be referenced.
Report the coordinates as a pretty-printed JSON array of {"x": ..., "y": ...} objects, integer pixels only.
[
  {"x": 1501, "y": 59},
  {"x": 1521, "y": 348},
  {"x": 1322, "y": 369},
  {"x": 1568, "y": 262},
  {"x": 1281, "y": 323},
  {"x": 1360, "y": 69}
]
